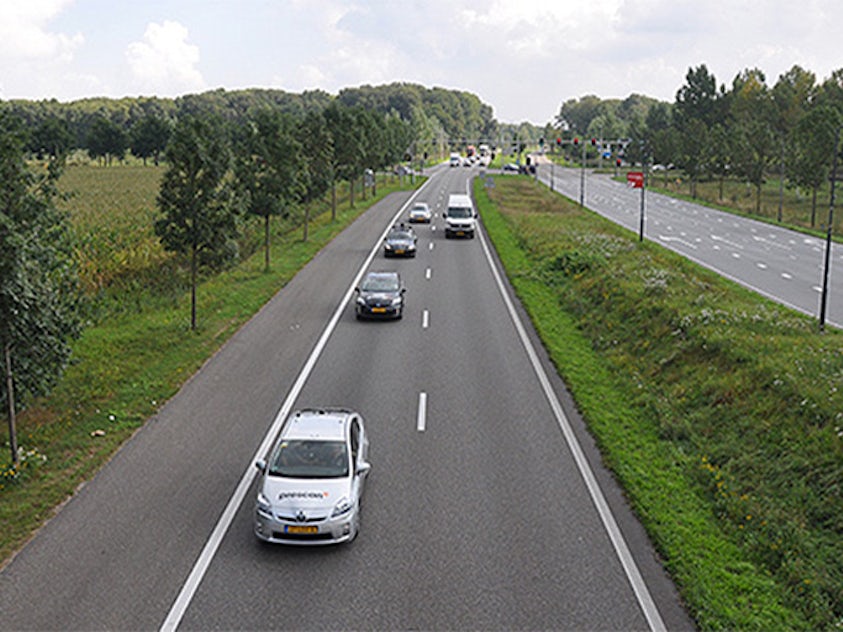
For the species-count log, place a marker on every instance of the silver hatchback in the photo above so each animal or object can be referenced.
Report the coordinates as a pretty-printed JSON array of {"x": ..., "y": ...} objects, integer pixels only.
[{"x": 311, "y": 486}]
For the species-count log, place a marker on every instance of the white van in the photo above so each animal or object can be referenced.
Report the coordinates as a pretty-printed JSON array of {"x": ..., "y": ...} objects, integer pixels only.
[
  {"x": 460, "y": 218},
  {"x": 456, "y": 160}
]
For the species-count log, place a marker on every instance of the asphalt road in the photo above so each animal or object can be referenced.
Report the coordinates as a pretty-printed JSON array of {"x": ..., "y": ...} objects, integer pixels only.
[
  {"x": 487, "y": 506},
  {"x": 781, "y": 264}
]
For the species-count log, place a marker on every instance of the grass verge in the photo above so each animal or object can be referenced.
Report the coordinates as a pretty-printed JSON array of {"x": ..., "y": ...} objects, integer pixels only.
[{"x": 717, "y": 410}]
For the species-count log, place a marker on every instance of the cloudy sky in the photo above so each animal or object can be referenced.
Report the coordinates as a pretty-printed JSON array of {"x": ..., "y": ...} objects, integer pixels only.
[{"x": 522, "y": 57}]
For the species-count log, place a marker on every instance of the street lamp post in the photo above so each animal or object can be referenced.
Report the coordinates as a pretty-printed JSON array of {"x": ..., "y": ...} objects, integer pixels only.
[{"x": 827, "y": 264}]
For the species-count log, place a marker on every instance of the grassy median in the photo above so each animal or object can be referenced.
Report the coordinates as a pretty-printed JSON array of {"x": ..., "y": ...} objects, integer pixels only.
[{"x": 718, "y": 411}]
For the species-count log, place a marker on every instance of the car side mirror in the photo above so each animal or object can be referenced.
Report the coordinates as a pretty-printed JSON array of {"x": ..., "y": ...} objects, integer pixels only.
[
  {"x": 403, "y": 289},
  {"x": 363, "y": 468},
  {"x": 357, "y": 289},
  {"x": 261, "y": 465}
]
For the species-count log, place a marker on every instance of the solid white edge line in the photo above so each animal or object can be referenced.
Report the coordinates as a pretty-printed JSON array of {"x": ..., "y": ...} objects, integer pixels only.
[
  {"x": 421, "y": 417},
  {"x": 205, "y": 558},
  {"x": 639, "y": 587}
]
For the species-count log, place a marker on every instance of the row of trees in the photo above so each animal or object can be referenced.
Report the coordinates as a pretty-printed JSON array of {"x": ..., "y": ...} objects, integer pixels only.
[
  {"x": 272, "y": 165},
  {"x": 746, "y": 131},
  {"x": 109, "y": 128}
]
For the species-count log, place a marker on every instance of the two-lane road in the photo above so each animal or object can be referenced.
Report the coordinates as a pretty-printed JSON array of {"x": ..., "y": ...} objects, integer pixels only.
[{"x": 487, "y": 506}]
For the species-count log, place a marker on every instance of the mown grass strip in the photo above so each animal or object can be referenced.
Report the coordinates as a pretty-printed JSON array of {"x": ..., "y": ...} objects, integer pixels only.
[{"x": 656, "y": 352}]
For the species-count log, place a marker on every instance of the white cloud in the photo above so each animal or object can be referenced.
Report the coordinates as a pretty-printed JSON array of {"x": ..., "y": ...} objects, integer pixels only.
[
  {"x": 164, "y": 62},
  {"x": 24, "y": 35}
]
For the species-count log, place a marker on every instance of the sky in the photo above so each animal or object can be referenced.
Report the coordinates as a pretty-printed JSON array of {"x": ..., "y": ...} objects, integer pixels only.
[{"x": 524, "y": 58}]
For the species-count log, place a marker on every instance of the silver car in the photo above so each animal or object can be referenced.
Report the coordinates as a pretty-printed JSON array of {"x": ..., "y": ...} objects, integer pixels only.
[
  {"x": 420, "y": 214},
  {"x": 310, "y": 488}
]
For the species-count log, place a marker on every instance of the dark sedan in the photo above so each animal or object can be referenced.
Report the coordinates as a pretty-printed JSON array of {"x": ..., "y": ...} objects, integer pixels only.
[
  {"x": 380, "y": 295},
  {"x": 400, "y": 242}
]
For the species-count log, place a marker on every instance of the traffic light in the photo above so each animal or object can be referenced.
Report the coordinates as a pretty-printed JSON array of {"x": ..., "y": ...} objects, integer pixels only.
[
  {"x": 618, "y": 162},
  {"x": 594, "y": 141},
  {"x": 541, "y": 141},
  {"x": 576, "y": 141},
  {"x": 558, "y": 141}
]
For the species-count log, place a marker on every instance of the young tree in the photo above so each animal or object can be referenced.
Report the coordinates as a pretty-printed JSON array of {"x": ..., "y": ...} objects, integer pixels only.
[
  {"x": 106, "y": 140},
  {"x": 148, "y": 137},
  {"x": 39, "y": 290},
  {"x": 198, "y": 219},
  {"x": 269, "y": 165},
  {"x": 317, "y": 149}
]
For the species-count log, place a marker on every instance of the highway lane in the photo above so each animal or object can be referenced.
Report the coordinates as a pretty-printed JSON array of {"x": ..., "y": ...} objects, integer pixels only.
[
  {"x": 781, "y": 264},
  {"x": 478, "y": 519}
]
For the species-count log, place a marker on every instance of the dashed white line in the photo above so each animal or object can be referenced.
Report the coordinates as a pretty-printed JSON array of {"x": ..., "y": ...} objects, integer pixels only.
[
  {"x": 421, "y": 416},
  {"x": 427, "y": 274},
  {"x": 425, "y": 319}
]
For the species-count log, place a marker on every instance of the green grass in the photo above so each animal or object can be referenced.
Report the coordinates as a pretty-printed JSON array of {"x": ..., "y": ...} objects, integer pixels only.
[
  {"x": 140, "y": 351},
  {"x": 718, "y": 411}
]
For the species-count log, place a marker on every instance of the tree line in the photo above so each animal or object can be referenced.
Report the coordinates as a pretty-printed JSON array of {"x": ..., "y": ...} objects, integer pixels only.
[{"x": 747, "y": 131}]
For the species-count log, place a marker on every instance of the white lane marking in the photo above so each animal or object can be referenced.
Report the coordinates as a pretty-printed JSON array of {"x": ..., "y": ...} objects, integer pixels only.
[
  {"x": 421, "y": 416},
  {"x": 787, "y": 276},
  {"x": 425, "y": 319},
  {"x": 427, "y": 274},
  {"x": 431, "y": 246},
  {"x": 762, "y": 266},
  {"x": 205, "y": 558},
  {"x": 636, "y": 581}
]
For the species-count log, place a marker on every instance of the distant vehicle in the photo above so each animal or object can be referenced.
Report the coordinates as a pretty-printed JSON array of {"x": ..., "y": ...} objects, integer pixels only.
[
  {"x": 420, "y": 213},
  {"x": 380, "y": 295},
  {"x": 400, "y": 242},
  {"x": 484, "y": 150},
  {"x": 460, "y": 218},
  {"x": 455, "y": 160},
  {"x": 511, "y": 167},
  {"x": 403, "y": 170},
  {"x": 311, "y": 486}
]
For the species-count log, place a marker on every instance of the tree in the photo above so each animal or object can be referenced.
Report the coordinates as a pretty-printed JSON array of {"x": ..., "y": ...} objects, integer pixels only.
[
  {"x": 754, "y": 130},
  {"x": 39, "y": 289},
  {"x": 317, "y": 151},
  {"x": 695, "y": 111},
  {"x": 148, "y": 137},
  {"x": 268, "y": 167},
  {"x": 51, "y": 138},
  {"x": 198, "y": 219},
  {"x": 815, "y": 139},
  {"x": 106, "y": 140}
]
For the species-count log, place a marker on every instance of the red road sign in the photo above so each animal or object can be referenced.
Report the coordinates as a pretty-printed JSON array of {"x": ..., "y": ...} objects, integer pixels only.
[{"x": 635, "y": 178}]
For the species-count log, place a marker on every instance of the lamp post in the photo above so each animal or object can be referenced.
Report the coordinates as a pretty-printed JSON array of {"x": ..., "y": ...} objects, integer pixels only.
[{"x": 827, "y": 264}]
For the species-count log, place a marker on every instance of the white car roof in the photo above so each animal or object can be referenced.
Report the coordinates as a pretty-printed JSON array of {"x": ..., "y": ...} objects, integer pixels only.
[{"x": 325, "y": 424}]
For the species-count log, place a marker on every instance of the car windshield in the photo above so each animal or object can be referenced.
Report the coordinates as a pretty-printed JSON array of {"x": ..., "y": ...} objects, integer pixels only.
[
  {"x": 399, "y": 235},
  {"x": 419, "y": 209},
  {"x": 310, "y": 459},
  {"x": 380, "y": 284},
  {"x": 459, "y": 212}
]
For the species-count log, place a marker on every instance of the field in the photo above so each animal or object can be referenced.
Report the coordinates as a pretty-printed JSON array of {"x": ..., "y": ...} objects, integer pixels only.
[{"x": 719, "y": 411}]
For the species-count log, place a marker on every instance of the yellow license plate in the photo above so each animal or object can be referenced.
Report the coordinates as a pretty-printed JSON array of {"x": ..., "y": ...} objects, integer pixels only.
[
  {"x": 460, "y": 233},
  {"x": 290, "y": 529},
  {"x": 379, "y": 310},
  {"x": 399, "y": 252}
]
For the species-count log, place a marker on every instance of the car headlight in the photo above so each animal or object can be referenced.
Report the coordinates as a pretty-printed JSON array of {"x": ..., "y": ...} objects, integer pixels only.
[
  {"x": 396, "y": 301},
  {"x": 342, "y": 507},
  {"x": 361, "y": 300},
  {"x": 263, "y": 504},
  {"x": 387, "y": 246}
]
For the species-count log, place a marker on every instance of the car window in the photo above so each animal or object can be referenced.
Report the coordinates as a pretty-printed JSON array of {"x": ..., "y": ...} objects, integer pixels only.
[
  {"x": 459, "y": 212},
  {"x": 380, "y": 284},
  {"x": 400, "y": 234},
  {"x": 310, "y": 459}
]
